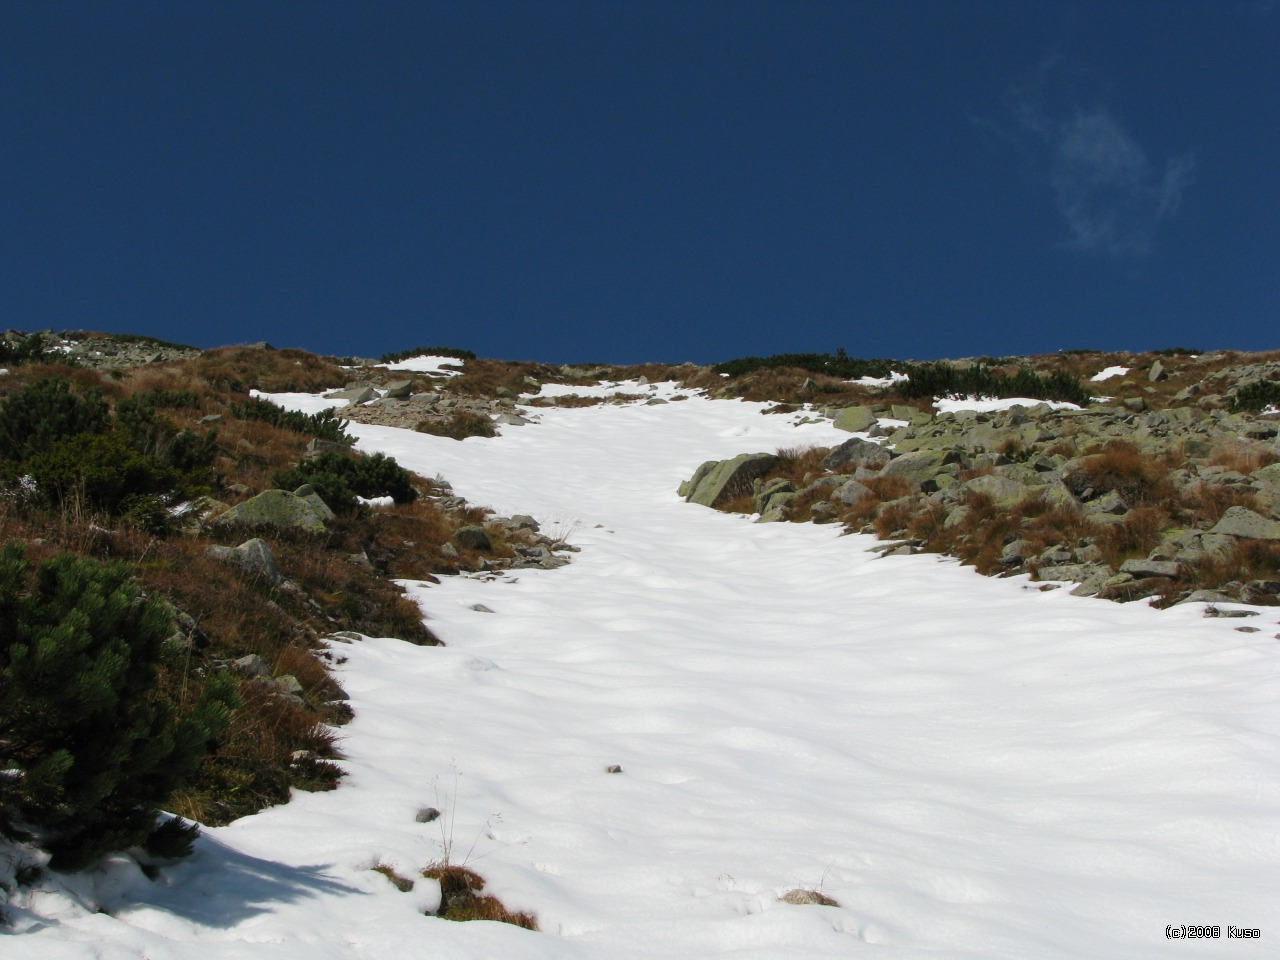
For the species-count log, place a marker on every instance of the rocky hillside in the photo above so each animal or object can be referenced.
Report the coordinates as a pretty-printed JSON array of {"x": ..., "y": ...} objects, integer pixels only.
[{"x": 1172, "y": 490}]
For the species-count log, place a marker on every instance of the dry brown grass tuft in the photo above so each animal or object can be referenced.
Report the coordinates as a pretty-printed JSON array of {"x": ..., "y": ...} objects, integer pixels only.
[
  {"x": 1204, "y": 504},
  {"x": 461, "y": 899},
  {"x": 1242, "y": 458},
  {"x": 1134, "y": 537},
  {"x": 239, "y": 369},
  {"x": 402, "y": 883},
  {"x": 1137, "y": 477}
]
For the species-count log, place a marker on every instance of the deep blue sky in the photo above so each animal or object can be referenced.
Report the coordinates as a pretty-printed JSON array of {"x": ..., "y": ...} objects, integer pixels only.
[{"x": 629, "y": 181}]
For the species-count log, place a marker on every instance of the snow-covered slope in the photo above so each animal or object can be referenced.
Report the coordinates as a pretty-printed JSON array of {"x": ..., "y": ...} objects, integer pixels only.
[{"x": 970, "y": 767}]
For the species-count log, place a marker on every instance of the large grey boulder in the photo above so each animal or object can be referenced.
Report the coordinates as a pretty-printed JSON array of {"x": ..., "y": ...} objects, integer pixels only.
[
  {"x": 354, "y": 395},
  {"x": 273, "y": 508},
  {"x": 398, "y": 389},
  {"x": 1269, "y": 474},
  {"x": 1151, "y": 568},
  {"x": 776, "y": 509},
  {"x": 717, "y": 481},
  {"x": 854, "y": 419},
  {"x": 857, "y": 451},
  {"x": 1002, "y": 491},
  {"x": 252, "y": 555},
  {"x": 850, "y": 492},
  {"x": 922, "y": 468},
  {"x": 472, "y": 538},
  {"x": 308, "y": 493},
  {"x": 1243, "y": 522}
]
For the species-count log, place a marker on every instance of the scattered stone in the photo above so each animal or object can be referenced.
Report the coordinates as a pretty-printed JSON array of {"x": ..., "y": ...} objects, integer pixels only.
[
  {"x": 807, "y": 898},
  {"x": 354, "y": 395},
  {"x": 427, "y": 815},
  {"x": 613, "y": 768},
  {"x": 1212, "y": 611},
  {"x": 1244, "y": 523},
  {"x": 472, "y": 538},
  {"x": 857, "y": 451},
  {"x": 1151, "y": 568},
  {"x": 398, "y": 389},
  {"x": 254, "y": 556},
  {"x": 251, "y": 666},
  {"x": 480, "y": 608},
  {"x": 854, "y": 419}
]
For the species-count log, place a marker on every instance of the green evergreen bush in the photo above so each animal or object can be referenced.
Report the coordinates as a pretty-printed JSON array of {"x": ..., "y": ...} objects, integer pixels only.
[
  {"x": 88, "y": 750},
  {"x": 106, "y": 468},
  {"x": 339, "y": 479},
  {"x": 45, "y": 413},
  {"x": 1256, "y": 396},
  {"x": 325, "y": 425}
]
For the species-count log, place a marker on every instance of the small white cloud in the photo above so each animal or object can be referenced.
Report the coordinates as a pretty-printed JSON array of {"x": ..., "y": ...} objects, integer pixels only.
[{"x": 1109, "y": 194}]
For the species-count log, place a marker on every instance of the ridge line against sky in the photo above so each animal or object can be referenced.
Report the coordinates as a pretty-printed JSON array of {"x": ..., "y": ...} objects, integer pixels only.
[{"x": 565, "y": 180}]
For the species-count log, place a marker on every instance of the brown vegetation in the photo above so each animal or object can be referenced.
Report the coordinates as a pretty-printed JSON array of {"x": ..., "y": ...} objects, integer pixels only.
[{"x": 461, "y": 898}]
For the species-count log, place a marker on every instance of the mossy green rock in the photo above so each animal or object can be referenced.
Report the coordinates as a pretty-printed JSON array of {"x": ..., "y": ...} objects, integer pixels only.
[
  {"x": 718, "y": 480},
  {"x": 921, "y": 467},
  {"x": 855, "y": 419},
  {"x": 273, "y": 508}
]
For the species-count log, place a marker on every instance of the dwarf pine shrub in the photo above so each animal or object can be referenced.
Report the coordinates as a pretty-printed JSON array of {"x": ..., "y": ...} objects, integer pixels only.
[
  {"x": 945, "y": 380},
  {"x": 340, "y": 478},
  {"x": 88, "y": 752},
  {"x": 1256, "y": 396},
  {"x": 45, "y": 413},
  {"x": 325, "y": 425}
]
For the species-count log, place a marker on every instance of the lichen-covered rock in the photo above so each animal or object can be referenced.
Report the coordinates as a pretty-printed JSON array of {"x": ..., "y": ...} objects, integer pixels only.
[
  {"x": 922, "y": 468},
  {"x": 856, "y": 451},
  {"x": 855, "y": 419},
  {"x": 1244, "y": 523},
  {"x": 472, "y": 538},
  {"x": 253, "y": 555},
  {"x": 273, "y": 508},
  {"x": 717, "y": 481},
  {"x": 1002, "y": 491},
  {"x": 776, "y": 508},
  {"x": 1151, "y": 568},
  {"x": 308, "y": 493}
]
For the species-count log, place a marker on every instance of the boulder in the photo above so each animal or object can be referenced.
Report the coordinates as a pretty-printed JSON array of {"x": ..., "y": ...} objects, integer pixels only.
[
  {"x": 900, "y": 411},
  {"x": 922, "y": 468},
  {"x": 308, "y": 493},
  {"x": 717, "y": 481},
  {"x": 857, "y": 451},
  {"x": 1244, "y": 523},
  {"x": 398, "y": 389},
  {"x": 472, "y": 538},
  {"x": 252, "y": 555},
  {"x": 1002, "y": 491},
  {"x": 354, "y": 395},
  {"x": 854, "y": 419},
  {"x": 776, "y": 508},
  {"x": 1269, "y": 474},
  {"x": 764, "y": 494},
  {"x": 1151, "y": 568},
  {"x": 273, "y": 508},
  {"x": 850, "y": 492}
]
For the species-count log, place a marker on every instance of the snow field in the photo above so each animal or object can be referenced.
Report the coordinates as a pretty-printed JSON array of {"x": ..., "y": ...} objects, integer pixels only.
[{"x": 971, "y": 767}]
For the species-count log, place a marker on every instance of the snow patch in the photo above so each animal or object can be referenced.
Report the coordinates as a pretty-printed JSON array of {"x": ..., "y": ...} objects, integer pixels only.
[
  {"x": 1108, "y": 373},
  {"x": 429, "y": 364},
  {"x": 988, "y": 404}
]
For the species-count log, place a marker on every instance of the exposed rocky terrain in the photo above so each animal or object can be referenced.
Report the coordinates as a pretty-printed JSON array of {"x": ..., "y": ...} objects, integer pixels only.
[{"x": 1155, "y": 495}]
